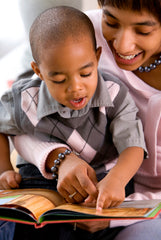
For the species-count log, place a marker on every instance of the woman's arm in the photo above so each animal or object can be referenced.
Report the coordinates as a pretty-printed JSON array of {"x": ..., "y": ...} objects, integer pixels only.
[
  {"x": 74, "y": 174},
  {"x": 36, "y": 152}
]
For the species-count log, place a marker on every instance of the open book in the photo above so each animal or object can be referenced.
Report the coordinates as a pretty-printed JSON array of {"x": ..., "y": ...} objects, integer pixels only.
[{"x": 41, "y": 206}]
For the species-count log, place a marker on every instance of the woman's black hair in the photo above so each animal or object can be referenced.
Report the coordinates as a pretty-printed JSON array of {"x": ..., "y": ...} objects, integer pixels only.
[{"x": 151, "y": 6}]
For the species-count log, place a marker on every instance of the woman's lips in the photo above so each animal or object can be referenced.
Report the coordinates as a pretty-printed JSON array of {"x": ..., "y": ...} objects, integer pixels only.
[{"x": 126, "y": 59}]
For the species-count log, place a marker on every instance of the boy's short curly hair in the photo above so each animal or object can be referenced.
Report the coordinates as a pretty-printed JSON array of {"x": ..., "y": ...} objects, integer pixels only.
[{"x": 55, "y": 25}]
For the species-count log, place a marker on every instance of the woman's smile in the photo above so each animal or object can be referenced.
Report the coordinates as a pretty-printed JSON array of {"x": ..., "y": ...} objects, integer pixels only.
[{"x": 127, "y": 59}]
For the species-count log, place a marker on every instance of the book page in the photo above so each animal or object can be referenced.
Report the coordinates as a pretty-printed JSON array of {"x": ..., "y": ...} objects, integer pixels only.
[
  {"x": 49, "y": 194},
  {"x": 36, "y": 201},
  {"x": 39, "y": 201},
  {"x": 128, "y": 209},
  {"x": 35, "y": 204},
  {"x": 109, "y": 212}
]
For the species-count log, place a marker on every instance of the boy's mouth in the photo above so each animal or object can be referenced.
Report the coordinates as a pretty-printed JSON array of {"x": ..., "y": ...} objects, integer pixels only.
[{"x": 78, "y": 102}]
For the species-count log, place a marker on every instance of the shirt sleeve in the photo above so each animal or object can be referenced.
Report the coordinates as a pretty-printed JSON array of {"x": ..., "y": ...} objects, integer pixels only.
[
  {"x": 126, "y": 127},
  {"x": 36, "y": 151},
  {"x": 7, "y": 117}
]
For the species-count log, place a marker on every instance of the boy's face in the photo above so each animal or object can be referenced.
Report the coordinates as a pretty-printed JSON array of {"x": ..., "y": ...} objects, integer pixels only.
[{"x": 69, "y": 70}]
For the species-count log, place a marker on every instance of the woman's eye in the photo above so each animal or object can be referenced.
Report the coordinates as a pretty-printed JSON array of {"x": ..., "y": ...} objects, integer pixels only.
[
  {"x": 114, "y": 25},
  {"x": 86, "y": 75},
  {"x": 143, "y": 33}
]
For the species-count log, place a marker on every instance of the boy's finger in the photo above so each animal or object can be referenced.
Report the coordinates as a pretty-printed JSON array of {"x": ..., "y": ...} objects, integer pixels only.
[
  {"x": 102, "y": 202},
  {"x": 99, "y": 205}
]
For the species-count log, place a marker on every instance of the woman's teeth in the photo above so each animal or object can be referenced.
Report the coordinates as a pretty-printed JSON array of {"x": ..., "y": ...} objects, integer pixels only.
[{"x": 129, "y": 57}]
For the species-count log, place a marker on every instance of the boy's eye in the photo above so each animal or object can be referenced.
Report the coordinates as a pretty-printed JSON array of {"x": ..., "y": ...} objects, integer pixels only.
[{"x": 58, "y": 82}]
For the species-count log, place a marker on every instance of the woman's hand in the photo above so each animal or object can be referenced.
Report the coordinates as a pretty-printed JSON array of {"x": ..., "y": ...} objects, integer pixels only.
[{"x": 76, "y": 180}]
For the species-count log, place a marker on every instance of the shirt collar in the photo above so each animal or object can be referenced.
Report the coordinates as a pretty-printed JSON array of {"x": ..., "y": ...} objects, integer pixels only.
[{"x": 47, "y": 105}]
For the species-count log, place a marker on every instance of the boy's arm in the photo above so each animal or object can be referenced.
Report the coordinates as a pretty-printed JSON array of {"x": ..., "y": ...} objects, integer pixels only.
[
  {"x": 8, "y": 177},
  {"x": 112, "y": 188},
  {"x": 5, "y": 163}
]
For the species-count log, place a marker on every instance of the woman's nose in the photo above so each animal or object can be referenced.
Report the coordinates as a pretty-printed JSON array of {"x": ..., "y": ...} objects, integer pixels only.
[{"x": 124, "y": 42}]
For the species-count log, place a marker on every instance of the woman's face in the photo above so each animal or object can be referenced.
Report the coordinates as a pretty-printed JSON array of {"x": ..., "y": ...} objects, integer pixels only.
[{"x": 134, "y": 38}]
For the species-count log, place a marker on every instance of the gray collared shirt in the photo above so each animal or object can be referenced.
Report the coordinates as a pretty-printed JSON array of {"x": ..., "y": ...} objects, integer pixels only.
[{"x": 99, "y": 132}]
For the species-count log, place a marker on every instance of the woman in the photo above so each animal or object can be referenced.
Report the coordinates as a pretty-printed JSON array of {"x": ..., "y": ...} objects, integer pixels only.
[
  {"x": 130, "y": 35},
  {"x": 131, "y": 49}
]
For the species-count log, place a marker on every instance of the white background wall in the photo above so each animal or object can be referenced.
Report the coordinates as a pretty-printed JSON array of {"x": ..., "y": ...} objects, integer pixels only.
[
  {"x": 89, "y": 4},
  {"x": 11, "y": 25}
]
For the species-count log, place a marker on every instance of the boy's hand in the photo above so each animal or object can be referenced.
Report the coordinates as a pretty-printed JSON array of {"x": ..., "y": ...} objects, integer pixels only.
[
  {"x": 10, "y": 179},
  {"x": 76, "y": 176},
  {"x": 111, "y": 189},
  {"x": 111, "y": 192}
]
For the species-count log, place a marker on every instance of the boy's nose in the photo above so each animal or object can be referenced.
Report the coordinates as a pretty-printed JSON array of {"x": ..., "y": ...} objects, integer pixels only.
[{"x": 75, "y": 85}]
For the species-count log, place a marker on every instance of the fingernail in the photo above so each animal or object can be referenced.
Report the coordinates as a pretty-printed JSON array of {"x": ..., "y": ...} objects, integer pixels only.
[{"x": 99, "y": 209}]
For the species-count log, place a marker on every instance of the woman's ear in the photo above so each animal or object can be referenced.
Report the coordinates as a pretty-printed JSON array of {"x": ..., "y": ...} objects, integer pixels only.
[
  {"x": 36, "y": 69},
  {"x": 98, "y": 53}
]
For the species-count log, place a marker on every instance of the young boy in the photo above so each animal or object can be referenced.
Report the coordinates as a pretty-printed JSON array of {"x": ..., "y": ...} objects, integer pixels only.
[{"x": 76, "y": 107}]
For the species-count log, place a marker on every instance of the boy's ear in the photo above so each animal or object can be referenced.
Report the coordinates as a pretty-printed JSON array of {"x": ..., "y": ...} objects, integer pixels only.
[
  {"x": 98, "y": 53},
  {"x": 36, "y": 69}
]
